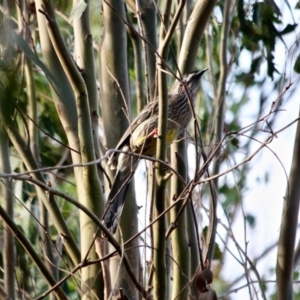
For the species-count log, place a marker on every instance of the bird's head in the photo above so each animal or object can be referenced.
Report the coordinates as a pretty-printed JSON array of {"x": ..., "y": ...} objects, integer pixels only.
[{"x": 190, "y": 81}]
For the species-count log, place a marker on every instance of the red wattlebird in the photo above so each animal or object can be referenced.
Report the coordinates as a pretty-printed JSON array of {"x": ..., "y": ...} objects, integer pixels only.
[{"x": 141, "y": 136}]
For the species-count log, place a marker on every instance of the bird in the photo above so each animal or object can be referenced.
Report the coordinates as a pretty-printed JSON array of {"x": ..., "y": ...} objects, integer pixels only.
[{"x": 141, "y": 137}]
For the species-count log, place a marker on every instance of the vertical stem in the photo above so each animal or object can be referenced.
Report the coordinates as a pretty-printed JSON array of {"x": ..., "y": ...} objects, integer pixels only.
[
  {"x": 187, "y": 57},
  {"x": 159, "y": 281},
  {"x": 288, "y": 229},
  {"x": 220, "y": 100},
  {"x": 115, "y": 104},
  {"x": 92, "y": 281},
  {"x": 179, "y": 237},
  {"x": 138, "y": 66},
  {"x": 61, "y": 93},
  {"x": 89, "y": 190},
  {"x": 159, "y": 228},
  {"x": 148, "y": 25},
  {"x": 219, "y": 118},
  {"x": 84, "y": 57},
  {"x": 8, "y": 202},
  {"x": 33, "y": 140},
  {"x": 193, "y": 34}
]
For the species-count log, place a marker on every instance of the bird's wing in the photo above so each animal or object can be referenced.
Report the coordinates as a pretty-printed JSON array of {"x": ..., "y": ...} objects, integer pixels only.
[{"x": 149, "y": 110}]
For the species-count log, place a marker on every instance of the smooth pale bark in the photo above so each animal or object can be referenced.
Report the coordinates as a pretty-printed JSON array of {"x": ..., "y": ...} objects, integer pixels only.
[
  {"x": 115, "y": 105},
  {"x": 147, "y": 23},
  {"x": 187, "y": 57},
  {"x": 7, "y": 200},
  {"x": 193, "y": 34},
  {"x": 93, "y": 200},
  {"x": 62, "y": 94},
  {"x": 138, "y": 67},
  {"x": 33, "y": 140},
  {"x": 179, "y": 237},
  {"x": 288, "y": 229},
  {"x": 88, "y": 186},
  {"x": 84, "y": 57},
  {"x": 159, "y": 228},
  {"x": 159, "y": 201},
  {"x": 219, "y": 107}
]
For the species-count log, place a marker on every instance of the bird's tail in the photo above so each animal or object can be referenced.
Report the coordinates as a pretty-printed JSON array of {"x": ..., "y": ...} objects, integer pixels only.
[{"x": 116, "y": 197}]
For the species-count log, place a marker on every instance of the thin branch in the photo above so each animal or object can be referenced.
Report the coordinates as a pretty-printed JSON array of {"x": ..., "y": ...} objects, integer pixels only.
[
  {"x": 32, "y": 253},
  {"x": 105, "y": 231}
]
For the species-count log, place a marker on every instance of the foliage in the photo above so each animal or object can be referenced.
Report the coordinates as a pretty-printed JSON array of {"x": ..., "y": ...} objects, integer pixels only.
[{"x": 67, "y": 92}]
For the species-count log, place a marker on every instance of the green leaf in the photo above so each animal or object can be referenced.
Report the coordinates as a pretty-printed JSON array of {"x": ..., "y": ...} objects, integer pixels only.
[
  {"x": 204, "y": 232},
  {"x": 256, "y": 63},
  {"x": 289, "y": 28},
  {"x": 23, "y": 46},
  {"x": 77, "y": 10},
  {"x": 250, "y": 220},
  {"x": 297, "y": 65},
  {"x": 218, "y": 254},
  {"x": 235, "y": 142},
  {"x": 266, "y": 177}
]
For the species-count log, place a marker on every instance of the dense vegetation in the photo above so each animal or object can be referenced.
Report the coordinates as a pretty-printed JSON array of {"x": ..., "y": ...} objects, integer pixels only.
[{"x": 72, "y": 77}]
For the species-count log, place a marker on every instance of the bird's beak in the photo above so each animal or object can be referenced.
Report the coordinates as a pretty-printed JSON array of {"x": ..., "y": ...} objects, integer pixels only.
[
  {"x": 198, "y": 74},
  {"x": 201, "y": 72}
]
